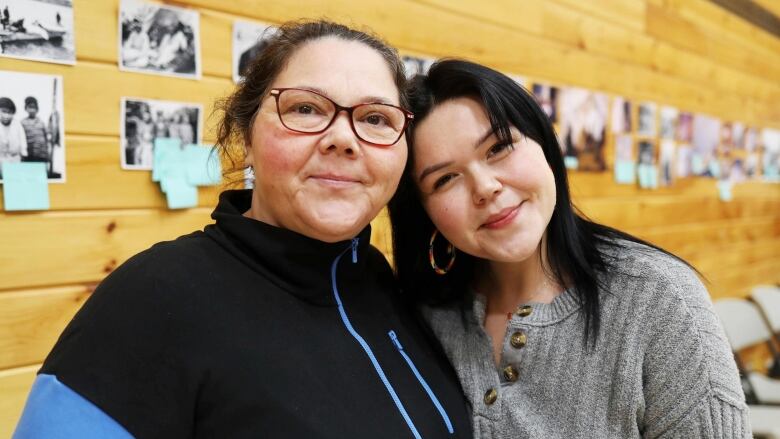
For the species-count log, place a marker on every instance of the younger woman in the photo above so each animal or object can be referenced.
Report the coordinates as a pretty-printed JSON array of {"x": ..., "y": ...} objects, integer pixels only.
[{"x": 558, "y": 327}]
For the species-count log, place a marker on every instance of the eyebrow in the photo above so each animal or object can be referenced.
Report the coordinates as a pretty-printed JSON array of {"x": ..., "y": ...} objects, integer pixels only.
[
  {"x": 433, "y": 168},
  {"x": 363, "y": 100}
]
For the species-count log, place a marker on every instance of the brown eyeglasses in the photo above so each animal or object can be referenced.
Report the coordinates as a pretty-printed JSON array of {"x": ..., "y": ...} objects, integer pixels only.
[{"x": 309, "y": 112}]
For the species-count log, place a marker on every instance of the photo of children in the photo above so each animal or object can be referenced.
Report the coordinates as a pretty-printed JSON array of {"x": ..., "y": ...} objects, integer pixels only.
[
  {"x": 144, "y": 120},
  {"x": 158, "y": 39},
  {"x": 249, "y": 39},
  {"x": 583, "y": 116},
  {"x": 38, "y": 30},
  {"x": 31, "y": 115}
]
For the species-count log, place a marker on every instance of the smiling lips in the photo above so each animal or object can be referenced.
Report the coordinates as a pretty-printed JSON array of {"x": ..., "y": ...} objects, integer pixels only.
[
  {"x": 502, "y": 218},
  {"x": 335, "y": 180}
]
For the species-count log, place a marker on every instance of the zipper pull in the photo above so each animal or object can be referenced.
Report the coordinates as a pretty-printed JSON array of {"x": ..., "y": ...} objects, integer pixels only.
[
  {"x": 394, "y": 338},
  {"x": 354, "y": 249}
]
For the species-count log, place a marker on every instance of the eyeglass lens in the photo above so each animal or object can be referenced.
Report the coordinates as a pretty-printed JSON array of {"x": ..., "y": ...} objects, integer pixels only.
[{"x": 305, "y": 111}]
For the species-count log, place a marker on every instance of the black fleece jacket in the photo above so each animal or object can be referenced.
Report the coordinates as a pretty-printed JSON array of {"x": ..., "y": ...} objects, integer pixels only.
[{"x": 236, "y": 332}]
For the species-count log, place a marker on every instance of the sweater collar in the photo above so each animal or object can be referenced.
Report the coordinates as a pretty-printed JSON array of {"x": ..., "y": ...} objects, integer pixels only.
[{"x": 296, "y": 263}]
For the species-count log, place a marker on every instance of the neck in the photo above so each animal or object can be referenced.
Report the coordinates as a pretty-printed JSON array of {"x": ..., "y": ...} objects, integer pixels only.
[{"x": 509, "y": 284}]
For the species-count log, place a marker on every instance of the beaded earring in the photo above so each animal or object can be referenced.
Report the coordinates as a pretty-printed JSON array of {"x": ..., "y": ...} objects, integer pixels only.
[{"x": 450, "y": 252}]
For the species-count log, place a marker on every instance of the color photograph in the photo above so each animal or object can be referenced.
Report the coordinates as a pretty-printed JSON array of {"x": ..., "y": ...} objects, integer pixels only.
[
  {"x": 32, "y": 121},
  {"x": 547, "y": 97},
  {"x": 583, "y": 116}
]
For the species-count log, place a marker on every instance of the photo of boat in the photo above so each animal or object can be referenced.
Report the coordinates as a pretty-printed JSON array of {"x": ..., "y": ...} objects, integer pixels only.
[{"x": 40, "y": 30}]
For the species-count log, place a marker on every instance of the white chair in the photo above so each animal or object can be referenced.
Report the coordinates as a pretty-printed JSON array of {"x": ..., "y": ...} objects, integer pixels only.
[
  {"x": 745, "y": 327},
  {"x": 768, "y": 298}
]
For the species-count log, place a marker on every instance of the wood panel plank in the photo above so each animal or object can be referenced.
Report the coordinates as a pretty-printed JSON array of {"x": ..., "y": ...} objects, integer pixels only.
[
  {"x": 92, "y": 162},
  {"x": 601, "y": 184},
  {"x": 54, "y": 248},
  {"x": 31, "y": 321},
  {"x": 92, "y": 93},
  {"x": 15, "y": 385},
  {"x": 645, "y": 212},
  {"x": 686, "y": 238}
]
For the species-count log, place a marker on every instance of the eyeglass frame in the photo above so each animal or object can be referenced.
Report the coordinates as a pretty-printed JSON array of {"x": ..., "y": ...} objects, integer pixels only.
[{"x": 276, "y": 92}]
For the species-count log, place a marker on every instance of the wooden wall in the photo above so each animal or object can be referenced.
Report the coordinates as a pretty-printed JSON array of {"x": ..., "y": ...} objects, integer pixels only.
[{"x": 686, "y": 53}]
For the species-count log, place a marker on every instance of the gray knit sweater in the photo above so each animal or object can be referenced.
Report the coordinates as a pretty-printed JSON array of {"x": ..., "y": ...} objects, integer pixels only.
[{"x": 661, "y": 366}]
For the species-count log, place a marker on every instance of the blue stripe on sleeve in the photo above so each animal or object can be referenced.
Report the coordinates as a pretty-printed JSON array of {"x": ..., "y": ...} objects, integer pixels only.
[{"x": 54, "y": 411}]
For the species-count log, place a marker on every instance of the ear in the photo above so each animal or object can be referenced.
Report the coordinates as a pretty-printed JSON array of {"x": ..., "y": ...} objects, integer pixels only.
[{"x": 249, "y": 158}]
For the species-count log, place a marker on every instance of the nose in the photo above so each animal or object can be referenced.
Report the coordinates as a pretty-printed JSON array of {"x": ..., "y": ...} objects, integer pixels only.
[
  {"x": 339, "y": 138},
  {"x": 486, "y": 187}
]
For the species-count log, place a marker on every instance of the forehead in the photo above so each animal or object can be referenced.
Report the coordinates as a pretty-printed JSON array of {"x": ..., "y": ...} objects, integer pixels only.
[
  {"x": 436, "y": 130},
  {"x": 345, "y": 70}
]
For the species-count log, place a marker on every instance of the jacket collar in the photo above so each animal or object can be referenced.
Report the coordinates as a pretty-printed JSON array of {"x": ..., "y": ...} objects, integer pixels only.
[{"x": 296, "y": 263}]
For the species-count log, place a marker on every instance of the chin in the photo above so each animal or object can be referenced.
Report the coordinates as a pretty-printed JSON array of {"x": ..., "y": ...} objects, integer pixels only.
[{"x": 335, "y": 230}]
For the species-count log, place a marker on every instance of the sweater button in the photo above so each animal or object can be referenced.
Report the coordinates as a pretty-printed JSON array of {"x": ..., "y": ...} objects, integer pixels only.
[
  {"x": 491, "y": 396},
  {"x": 524, "y": 311},
  {"x": 510, "y": 373},
  {"x": 518, "y": 339}
]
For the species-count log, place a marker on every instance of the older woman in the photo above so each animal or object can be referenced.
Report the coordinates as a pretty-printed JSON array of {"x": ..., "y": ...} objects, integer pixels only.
[
  {"x": 558, "y": 327},
  {"x": 280, "y": 320}
]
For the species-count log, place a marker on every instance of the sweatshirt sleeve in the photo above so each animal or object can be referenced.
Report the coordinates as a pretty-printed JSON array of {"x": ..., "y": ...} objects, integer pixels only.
[
  {"x": 690, "y": 380},
  {"x": 124, "y": 354}
]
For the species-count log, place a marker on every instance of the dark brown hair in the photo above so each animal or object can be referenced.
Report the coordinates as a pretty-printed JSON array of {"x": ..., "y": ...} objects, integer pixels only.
[{"x": 234, "y": 129}]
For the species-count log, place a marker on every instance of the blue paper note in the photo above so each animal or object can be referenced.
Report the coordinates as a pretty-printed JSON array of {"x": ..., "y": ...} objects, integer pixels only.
[
  {"x": 625, "y": 172},
  {"x": 648, "y": 176},
  {"x": 653, "y": 175},
  {"x": 203, "y": 168},
  {"x": 179, "y": 193},
  {"x": 571, "y": 162},
  {"x": 724, "y": 190},
  {"x": 697, "y": 164},
  {"x": 167, "y": 153},
  {"x": 25, "y": 186}
]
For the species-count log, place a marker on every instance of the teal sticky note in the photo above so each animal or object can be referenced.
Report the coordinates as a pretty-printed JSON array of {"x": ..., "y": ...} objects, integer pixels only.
[
  {"x": 697, "y": 164},
  {"x": 625, "y": 172},
  {"x": 715, "y": 168},
  {"x": 771, "y": 173},
  {"x": 203, "y": 168},
  {"x": 25, "y": 186},
  {"x": 571, "y": 162},
  {"x": 167, "y": 153},
  {"x": 179, "y": 193},
  {"x": 724, "y": 190},
  {"x": 653, "y": 176}
]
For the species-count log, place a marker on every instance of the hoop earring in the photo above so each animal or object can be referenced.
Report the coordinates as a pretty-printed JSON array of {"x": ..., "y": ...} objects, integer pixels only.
[{"x": 450, "y": 251}]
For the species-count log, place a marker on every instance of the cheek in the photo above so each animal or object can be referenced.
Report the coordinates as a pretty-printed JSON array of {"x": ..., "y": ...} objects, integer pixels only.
[
  {"x": 274, "y": 152},
  {"x": 448, "y": 213}
]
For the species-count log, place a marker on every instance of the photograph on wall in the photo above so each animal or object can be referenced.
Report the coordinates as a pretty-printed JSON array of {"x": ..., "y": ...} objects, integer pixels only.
[
  {"x": 646, "y": 169},
  {"x": 249, "y": 39},
  {"x": 683, "y": 167},
  {"x": 414, "y": 65},
  {"x": 583, "y": 119},
  {"x": 750, "y": 140},
  {"x": 38, "y": 30},
  {"x": 547, "y": 98},
  {"x": 144, "y": 120},
  {"x": 726, "y": 136},
  {"x": 668, "y": 122},
  {"x": 621, "y": 115},
  {"x": 32, "y": 121},
  {"x": 738, "y": 132},
  {"x": 684, "y": 132},
  {"x": 770, "y": 139},
  {"x": 159, "y": 39},
  {"x": 705, "y": 140},
  {"x": 646, "y": 119},
  {"x": 666, "y": 162}
]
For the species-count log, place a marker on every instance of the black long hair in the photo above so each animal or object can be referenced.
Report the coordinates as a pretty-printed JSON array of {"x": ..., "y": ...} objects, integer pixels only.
[{"x": 576, "y": 247}]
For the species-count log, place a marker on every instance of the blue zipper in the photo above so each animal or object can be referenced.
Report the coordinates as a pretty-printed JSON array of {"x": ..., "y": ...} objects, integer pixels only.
[
  {"x": 363, "y": 343},
  {"x": 425, "y": 386}
]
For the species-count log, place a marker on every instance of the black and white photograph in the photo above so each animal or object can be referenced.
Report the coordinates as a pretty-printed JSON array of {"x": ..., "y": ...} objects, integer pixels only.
[
  {"x": 646, "y": 155},
  {"x": 583, "y": 116},
  {"x": 621, "y": 115},
  {"x": 414, "y": 65},
  {"x": 666, "y": 159},
  {"x": 38, "y": 30},
  {"x": 668, "y": 122},
  {"x": 646, "y": 119},
  {"x": 547, "y": 98},
  {"x": 144, "y": 120},
  {"x": 32, "y": 121},
  {"x": 249, "y": 39},
  {"x": 159, "y": 39}
]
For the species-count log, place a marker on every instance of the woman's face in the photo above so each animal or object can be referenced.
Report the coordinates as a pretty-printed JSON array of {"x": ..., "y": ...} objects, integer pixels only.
[
  {"x": 489, "y": 199},
  {"x": 330, "y": 185}
]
